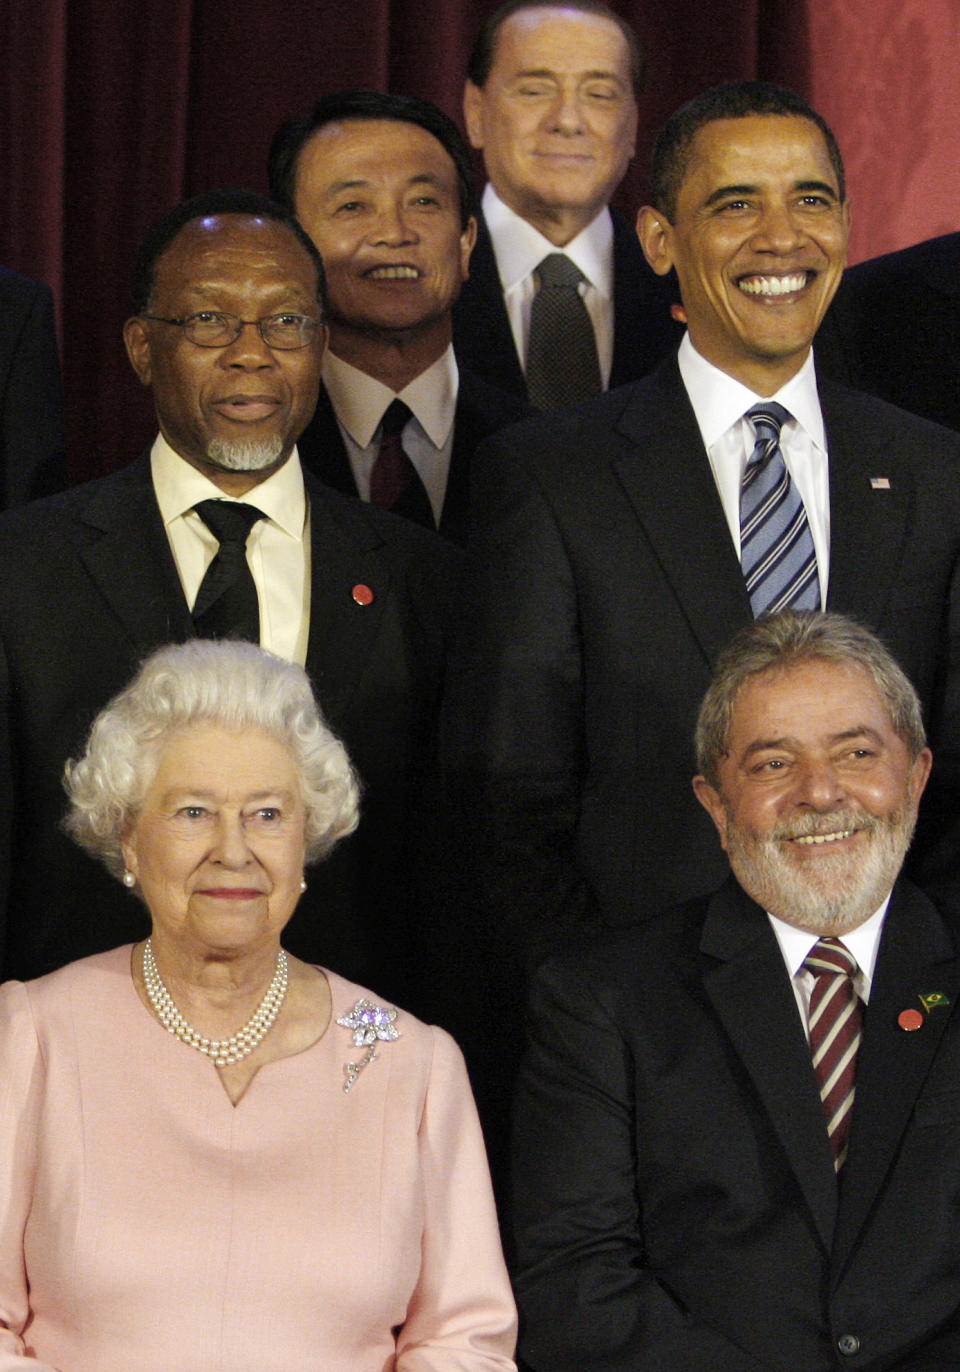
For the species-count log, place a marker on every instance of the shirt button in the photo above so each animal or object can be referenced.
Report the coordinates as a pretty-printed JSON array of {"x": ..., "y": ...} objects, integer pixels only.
[{"x": 848, "y": 1344}]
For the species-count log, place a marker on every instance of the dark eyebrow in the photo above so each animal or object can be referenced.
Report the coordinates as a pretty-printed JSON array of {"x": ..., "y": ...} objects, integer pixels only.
[
  {"x": 823, "y": 187},
  {"x": 724, "y": 192},
  {"x": 346, "y": 185}
]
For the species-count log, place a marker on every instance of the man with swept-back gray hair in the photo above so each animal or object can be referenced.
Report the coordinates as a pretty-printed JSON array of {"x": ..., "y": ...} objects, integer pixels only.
[
  {"x": 751, "y": 1102},
  {"x": 782, "y": 641}
]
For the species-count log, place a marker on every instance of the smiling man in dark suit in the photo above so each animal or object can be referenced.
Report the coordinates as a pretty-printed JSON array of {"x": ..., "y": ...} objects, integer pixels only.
[
  {"x": 228, "y": 334},
  {"x": 382, "y": 183},
  {"x": 606, "y": 573},
  {"x": 750, "y": 1102},
  {"x": 551, "y": 99}
]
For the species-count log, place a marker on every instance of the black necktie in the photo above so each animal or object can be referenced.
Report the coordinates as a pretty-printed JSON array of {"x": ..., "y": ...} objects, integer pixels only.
[
  {"x": 226, "y": 605},
  {"x": 394, "y": 481},
  {"x": 562, "y": 361}
]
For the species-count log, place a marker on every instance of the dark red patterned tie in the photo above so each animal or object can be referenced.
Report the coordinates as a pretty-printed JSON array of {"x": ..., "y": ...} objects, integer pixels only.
[
  {"x": 394, "y": 481},
  {"x": 834, "y": 1020}
]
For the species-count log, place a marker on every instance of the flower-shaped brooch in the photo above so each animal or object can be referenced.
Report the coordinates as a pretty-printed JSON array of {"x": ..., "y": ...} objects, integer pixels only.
[{"x": 369, "y": 1023}]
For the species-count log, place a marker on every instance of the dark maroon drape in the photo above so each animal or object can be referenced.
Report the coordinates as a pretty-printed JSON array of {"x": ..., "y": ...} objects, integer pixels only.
[{"x": 111, "y": 110}]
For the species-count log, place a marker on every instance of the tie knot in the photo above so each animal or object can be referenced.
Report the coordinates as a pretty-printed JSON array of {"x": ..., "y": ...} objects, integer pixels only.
[
  {"x": 828, "y": 956},
  {"x": 556, "y": 269},
  {"x": 394, "y": 418},
  {"x": 229, "y": 521},
  {"x": 767, "y": 419}
]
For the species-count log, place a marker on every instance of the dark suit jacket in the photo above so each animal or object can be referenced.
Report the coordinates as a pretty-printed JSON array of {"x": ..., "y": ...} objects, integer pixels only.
[
  {"x": 894, "y": 329},
  {"x": 481, "y": 411},
  {"x": 644, "y": 331},
  {"x": 88, "y": 587},
  {"x": 32, "y": 461},
  {"x": 675, "y": 1197}
]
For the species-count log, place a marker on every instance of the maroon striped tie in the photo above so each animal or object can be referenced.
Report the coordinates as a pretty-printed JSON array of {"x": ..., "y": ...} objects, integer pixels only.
[{"x": 834, "y": 1021}]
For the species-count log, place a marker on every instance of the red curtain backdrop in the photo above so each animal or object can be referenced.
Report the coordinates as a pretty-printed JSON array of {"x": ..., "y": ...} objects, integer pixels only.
[{"x": 112, "y": 110}]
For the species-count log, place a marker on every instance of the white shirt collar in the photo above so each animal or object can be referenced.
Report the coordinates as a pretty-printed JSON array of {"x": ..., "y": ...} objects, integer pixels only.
[
  {"x": 179, "y": 486},
  {"x": 863, "y": 943},
  {"x": 359, "y": 400},
  {"x": 519, "y": 248},
  {"x": 719, "y": 400}
]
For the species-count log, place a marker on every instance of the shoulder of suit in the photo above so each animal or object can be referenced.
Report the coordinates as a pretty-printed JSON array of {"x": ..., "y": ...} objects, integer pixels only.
[
  {"x": 497, "y": 406},
  {"x": 38, "y": 517},
  {"x": 870, "y": 415},
  {"x": 400, "y": 538}
]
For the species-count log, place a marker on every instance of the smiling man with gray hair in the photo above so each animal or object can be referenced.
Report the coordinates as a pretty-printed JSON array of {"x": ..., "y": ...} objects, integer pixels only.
[{"x": 751, "y": 1101}]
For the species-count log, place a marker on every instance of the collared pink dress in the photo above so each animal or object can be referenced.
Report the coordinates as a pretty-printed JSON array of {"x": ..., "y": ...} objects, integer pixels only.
[{"x": 149, "y": 1225}]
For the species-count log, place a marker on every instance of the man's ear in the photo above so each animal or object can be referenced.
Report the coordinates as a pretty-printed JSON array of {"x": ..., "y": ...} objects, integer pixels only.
[
  {"x": 655, "y": 233},
  {"x": 711, "y": 800},
  {"x": 468, "y": 241},
  {"x": 472, "y": 114},
  {"x": 137, "y": 343}
]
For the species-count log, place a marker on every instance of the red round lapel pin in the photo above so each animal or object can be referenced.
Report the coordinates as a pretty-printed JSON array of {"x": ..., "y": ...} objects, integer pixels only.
[{"x": 362, "y": 594}]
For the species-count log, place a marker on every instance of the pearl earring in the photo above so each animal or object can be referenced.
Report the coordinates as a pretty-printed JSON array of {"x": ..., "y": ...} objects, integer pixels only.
[
  {"x": 303, "y": 886},
  {"x": 129, "y": 880}
]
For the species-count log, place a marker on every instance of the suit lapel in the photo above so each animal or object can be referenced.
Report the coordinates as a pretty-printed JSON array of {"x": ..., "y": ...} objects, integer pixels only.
[
  {"x": 666, "y": 474},
  {"x": 127, "y": 555},
  {"x": 747, "y": 982},
  {"x": 917, "y": 956},
  {"x": 868, "y": 522},
  {"x": 482, "y": 338},
  {"x": 322, "y": 449},
  {"x": 345, "y": 554}
]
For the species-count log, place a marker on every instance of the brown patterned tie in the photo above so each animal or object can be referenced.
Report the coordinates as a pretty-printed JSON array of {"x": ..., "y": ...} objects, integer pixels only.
[
  {"x": 562, "y": 363},
  {"x": 834, "y": 1020}
]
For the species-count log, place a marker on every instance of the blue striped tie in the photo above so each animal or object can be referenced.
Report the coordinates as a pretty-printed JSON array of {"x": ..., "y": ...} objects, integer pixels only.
[{"x": 776, "y": 547}]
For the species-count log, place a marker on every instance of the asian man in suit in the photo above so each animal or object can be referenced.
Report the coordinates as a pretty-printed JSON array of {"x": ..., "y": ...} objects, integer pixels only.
[
  {"x": 551, "y": 100},
  {"x": 383, "y": 185},
  {"x": 228, "y": 334},
  {"x": 751, "y": 1104},
  {"x": 606, "y": 571}
]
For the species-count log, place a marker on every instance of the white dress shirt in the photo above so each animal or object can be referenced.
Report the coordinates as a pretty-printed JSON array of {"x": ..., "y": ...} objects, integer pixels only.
[
  {"x": 520, "y": 248},
  {"x": 720, "y": 402},
  {"x": 862, "y": 943},
  {"x": 278, "y": 549},
  {"x": 359, "y": 402}
]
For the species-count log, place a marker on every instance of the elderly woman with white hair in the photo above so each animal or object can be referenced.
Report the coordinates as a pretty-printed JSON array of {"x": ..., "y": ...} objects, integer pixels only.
[{"x": 214, "y": 1156}]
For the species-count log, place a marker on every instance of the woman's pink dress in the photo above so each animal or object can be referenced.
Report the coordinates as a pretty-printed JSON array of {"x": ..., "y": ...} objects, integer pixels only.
[{"x": 149, "y": 1225}]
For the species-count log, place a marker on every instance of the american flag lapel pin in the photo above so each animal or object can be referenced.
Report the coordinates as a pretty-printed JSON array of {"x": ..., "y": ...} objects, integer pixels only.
[{"x": 880, "y": 483}]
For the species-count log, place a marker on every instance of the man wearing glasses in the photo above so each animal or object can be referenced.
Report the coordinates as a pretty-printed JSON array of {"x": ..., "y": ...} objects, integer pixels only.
[{"x": 217, "y": 532}]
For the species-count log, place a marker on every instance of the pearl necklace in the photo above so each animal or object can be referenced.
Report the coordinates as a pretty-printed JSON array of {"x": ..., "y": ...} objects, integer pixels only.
[{"x": 222, "y": 1051}]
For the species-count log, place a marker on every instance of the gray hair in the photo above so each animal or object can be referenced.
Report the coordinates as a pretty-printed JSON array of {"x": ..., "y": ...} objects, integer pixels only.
[
  {"x": 787, "y": 640},
  {"x": 231, "y": 685}
]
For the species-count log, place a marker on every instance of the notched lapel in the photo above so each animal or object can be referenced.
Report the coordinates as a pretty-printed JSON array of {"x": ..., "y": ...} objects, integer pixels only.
[
  {"x": 916, "y": 957},
  {"x": 127, "y": 555},
  {"x": 871, "y": 503},
  {"x": 751, "y": 993},
  {"x": 346, "y": 563},
  {"x": 666, "y": 474}
]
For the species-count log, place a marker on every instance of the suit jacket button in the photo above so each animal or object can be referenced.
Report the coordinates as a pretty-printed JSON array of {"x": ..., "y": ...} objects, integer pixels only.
[{"x": 848, "y": 1344}]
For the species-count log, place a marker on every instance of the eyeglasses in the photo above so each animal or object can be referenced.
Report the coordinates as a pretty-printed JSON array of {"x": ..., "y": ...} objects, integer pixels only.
[{"x": 213, "y": 329}]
